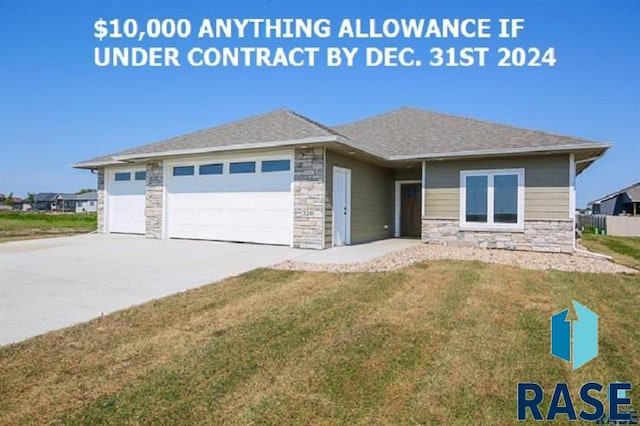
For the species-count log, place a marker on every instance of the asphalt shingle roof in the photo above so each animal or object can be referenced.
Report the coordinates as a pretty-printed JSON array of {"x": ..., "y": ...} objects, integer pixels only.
[
  {"x": 412, "y": 131},
  {"x": 275, "y": 126},
  {"x": 91, "y": 195},
  {"x": 633, "y": 192},
  {"x": 50, "y": 196},
  {"x": 403, "y": 132}
]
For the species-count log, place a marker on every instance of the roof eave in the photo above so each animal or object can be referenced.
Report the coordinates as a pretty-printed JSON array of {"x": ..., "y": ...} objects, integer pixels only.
[
  {"x": 129, "y": 158},
  {"x": 92, "y": 165},
  {"x": 318, "y": 140},
  {"x": 236, "y": 147},
  {"x": 502, "y": 151}
]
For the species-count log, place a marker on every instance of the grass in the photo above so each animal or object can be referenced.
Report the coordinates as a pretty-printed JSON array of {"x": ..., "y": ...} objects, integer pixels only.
[
  {"x": 624, "y": 250},
  {"x": 27, "y": 225},
  {"x": 438, "y": 343}
]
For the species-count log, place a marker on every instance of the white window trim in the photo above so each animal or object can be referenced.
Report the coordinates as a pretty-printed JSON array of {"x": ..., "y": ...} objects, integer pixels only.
[{"x": 490, "y": 225}]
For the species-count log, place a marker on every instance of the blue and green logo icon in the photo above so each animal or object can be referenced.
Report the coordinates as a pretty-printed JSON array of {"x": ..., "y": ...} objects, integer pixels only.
[{"x": 575, "y": 341}]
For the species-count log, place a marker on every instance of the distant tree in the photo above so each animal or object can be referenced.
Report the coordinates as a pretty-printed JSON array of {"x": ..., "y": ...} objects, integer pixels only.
[
  {"x": 9, "y": 200},
  {"x": 85, "y": 190},
  {"x": 31, "y": 199}
]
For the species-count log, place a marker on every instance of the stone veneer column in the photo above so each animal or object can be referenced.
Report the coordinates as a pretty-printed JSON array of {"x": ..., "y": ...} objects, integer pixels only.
[
  {"x": 100, "y": 207},
  {"x": 308, "y": 198},
  {"x": 154, "y": 199}
]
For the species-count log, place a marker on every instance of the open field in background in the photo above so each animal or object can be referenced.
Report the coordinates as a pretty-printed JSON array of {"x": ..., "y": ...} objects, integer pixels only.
[
  {"x": 624, "y": 250},
  {"x": 442, "y": 342},
  {"x": 26, "y": 225}
]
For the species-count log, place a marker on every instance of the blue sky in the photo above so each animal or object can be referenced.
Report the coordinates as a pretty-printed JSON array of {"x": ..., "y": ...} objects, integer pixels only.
[{"x": 57, "y": 107}]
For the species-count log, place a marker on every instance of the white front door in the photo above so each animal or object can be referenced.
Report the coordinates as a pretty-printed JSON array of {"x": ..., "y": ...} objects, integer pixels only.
[{"x": 341, "y": 206}]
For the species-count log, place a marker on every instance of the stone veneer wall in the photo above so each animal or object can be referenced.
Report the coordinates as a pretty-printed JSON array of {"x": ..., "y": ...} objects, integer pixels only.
[
  {"x": 101, "y": 196},
  {"x": 154, "y": 199},
  {"x": 308, "y": 198},
  {"x": 538, "y": 235}
]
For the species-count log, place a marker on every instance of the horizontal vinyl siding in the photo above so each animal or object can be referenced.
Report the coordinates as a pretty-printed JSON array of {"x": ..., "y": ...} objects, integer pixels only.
[
  {"x": 372, "y": 199},
  {"x": 546, "y": 185}
]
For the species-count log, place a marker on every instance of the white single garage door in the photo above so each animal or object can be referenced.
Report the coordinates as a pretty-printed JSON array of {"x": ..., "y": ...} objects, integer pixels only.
[
  {"x": 125, "y": 190},
  {"x": 245, "y": 199}
]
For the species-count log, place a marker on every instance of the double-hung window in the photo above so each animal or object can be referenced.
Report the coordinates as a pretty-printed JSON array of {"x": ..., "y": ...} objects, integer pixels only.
[{"x": 492, "y": 199}]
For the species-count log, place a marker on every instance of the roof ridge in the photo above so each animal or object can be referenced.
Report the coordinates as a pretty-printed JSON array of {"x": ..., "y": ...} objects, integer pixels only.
[
  {"x": 308, "y": 120},
  {"x": 381, "y": 114}
]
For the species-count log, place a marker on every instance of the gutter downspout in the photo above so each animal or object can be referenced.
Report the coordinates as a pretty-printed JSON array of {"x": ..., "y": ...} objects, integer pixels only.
[{"x": 572, "y": 184}]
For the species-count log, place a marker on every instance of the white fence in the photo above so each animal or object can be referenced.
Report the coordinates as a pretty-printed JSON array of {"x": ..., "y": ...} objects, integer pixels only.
[
  {"x": 623, "y": 226},
  {"x": 617, "y": 226}
]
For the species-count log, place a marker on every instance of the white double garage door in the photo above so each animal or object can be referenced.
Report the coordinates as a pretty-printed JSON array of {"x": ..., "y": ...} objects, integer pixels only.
[{"x": 248, "y": 199}]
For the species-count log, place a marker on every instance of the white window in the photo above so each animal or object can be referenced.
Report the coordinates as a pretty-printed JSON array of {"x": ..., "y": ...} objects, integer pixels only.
[{"x": 492, "y": 199}]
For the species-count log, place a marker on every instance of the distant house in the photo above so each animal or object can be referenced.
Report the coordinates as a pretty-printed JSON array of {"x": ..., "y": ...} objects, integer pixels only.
[
  {"x": 62, "y": 202},
  {"x": 15, "y": 205},
  {"x": 623, "y": 202},
  {"x": 87, "y": 202},
  {"x": 54, "y": 201}
]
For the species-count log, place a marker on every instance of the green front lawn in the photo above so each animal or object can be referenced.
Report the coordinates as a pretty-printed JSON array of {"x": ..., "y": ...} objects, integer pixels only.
[
  {"x": 438, "y": 343},
  {"x": 21, "y": 225},
  {"x": 624, "y": 250}
]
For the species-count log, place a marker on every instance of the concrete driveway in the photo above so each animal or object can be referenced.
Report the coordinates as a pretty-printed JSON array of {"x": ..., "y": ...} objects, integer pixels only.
[{"x": 52, "y": 283}]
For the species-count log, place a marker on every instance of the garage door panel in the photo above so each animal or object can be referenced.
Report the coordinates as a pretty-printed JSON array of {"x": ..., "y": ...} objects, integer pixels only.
[
  {"x": 125, "y": 206},
  {"x": 230, "y": 184},
  {"x": 252, "y": 207},
  {"x": 231, "y": 201},
  {"x": 226, "y": 233},
  {"x": 243, "y": 218}
]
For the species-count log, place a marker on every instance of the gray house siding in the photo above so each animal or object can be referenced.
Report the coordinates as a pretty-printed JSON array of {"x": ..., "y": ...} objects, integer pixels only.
[
  {"x": 608, "y": 207},
  {"x": 546, "y": 185},
  {"x": 372, "y": 199},
  {"x": 548, "y": 225},
  {"x": 620, "y": 204}
]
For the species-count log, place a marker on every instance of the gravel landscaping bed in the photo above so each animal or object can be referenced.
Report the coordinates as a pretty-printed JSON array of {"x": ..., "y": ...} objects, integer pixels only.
[{"x": 523, "y": 259}]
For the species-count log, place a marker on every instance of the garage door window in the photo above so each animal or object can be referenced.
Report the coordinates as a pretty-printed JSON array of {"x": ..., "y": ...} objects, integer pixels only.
[
  {"x": 276, "y": 166},
  {"x": 183, "y": 170},
  {"x": 210, "y": 169},
  {"x": 122, "y": 176},
  {"x": 244, "y": 167},
  {"x": 141, "y": 175}
]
